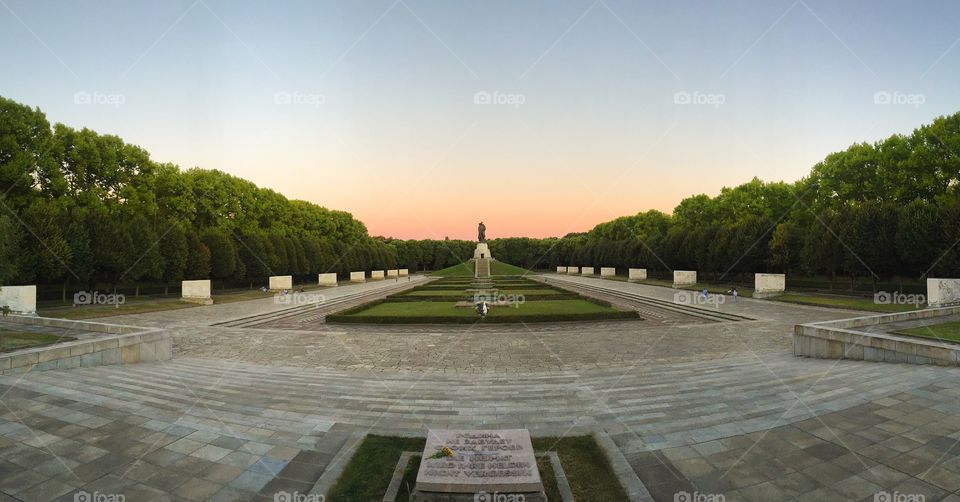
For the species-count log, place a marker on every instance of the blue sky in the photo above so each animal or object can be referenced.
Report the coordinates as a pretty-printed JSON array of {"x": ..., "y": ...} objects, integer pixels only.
[{"x": 369, "y": 106}]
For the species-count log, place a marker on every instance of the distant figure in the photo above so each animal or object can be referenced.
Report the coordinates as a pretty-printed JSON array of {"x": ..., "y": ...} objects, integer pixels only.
[
  {"x": 704, "y": 293},
  {"x": 481, "y": 232},
  {"x": 733, "y": 291},
  {"x": 482, "y": 309}
]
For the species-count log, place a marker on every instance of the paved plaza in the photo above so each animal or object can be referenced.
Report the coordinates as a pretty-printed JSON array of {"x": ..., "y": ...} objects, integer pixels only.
[{"x": 706, "y": 407}]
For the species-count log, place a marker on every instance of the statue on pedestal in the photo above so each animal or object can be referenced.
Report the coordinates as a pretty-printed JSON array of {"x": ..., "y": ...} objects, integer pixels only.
[{"x": 481, "y": 232}]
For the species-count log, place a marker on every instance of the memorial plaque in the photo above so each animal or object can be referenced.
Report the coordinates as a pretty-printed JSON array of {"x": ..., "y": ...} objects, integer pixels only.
[{"x": 480, "y": 461}]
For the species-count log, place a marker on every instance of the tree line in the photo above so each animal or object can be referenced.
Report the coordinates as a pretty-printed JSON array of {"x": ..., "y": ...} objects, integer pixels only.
[
  {"x": 875, "y": 210},
  {"x": 82, "y": 208},
  {"x": 88, "y": 209}
]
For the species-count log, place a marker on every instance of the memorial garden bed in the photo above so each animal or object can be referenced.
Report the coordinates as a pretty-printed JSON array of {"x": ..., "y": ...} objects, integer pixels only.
[
  {"x": 368, "y": 474},
  {"x": 947, "y": 331},
  {"x": 11, "y": 340}
]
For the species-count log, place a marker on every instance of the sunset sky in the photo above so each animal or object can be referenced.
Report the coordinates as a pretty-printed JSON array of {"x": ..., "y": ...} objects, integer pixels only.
[{"x": 372, "y": 107}]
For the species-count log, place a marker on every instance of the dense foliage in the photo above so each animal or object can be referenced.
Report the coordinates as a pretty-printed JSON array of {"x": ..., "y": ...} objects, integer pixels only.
[
  {"x": 874, "y": 210},
  {"x": 84, "y": 208}
]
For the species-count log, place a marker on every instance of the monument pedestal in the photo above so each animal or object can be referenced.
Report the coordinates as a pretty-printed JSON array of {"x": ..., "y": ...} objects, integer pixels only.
[{"x": 482, "y": 251}]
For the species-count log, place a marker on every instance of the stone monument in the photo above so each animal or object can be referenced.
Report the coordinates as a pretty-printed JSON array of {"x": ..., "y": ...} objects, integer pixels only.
[
  {"x": 481, "y": 255},
  {"x": 460, "y": 465}
]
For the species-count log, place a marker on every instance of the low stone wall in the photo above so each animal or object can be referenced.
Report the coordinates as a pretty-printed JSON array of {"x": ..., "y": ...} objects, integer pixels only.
[
  {"x": 196, "y": 292},
  {"x": 328, "y": 279},
  {"x": 120, "y": 345},
  {"x": 278, "y": 282},
  {"x": 586, "y": 271},
  {"x": 561, "y": 270},
  {"x": 404, "y": 272},
  {"x": 376, "y": 275},
  {"x": 843, "y": 340},
  {"x": 357, "y": 277},
  {"x": 943, "y": 292},
  {"x": 573, "y": 270},
  {"x": 20, "y": 299},
  {"x": 684, "y": 277},
  {"x": 768, "y": 285},
  {"x": 608, "y": 271},
  {"x": 637, "y": 274}
]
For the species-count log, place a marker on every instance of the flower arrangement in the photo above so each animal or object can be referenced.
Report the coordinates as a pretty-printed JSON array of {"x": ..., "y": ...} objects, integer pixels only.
[{"x": 443, "y": 453}]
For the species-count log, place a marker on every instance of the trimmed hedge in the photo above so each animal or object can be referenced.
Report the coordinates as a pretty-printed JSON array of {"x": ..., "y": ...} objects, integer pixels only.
[{"x": 597, "y": 316}]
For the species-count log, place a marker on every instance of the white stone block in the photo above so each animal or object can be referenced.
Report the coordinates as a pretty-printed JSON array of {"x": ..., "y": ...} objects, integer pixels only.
[
  {"x": 482, "y": 251},
  {"x": 328, "y": 279},
  {"x": 278, "y": 282},
  {"x": 376, "y": 275},
  {"x": 767, "y": 285},
  {"x": 357, "y": 277},
  {"x": 573, "y": 270},
  {"x": 586, "y": 271},
  {"x": 608, "y": 271},
  {"x": 943, "y": 292},
  {"x": 404, "y": 272},
  {"x": 20, "y": 299},
  {"x": 393, "y": 274},
  {"x": 684, "y": 277},
  {"x": 196, "y": 292},
  {"x": 637, "y": 274},
  {"x": 561, "y": 270}
]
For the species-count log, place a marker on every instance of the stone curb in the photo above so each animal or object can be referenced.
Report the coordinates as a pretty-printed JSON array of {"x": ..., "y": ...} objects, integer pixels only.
[{"x": 636, "y": 492}]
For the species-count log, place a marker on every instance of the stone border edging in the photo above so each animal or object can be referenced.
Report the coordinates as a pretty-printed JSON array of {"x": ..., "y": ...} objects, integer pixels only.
[
  {"x": 841, "y": 339},
  {"x": 124, "y": 345},
  {"x": 337, "y": 465},
  {"x": 636, "y": 491}
]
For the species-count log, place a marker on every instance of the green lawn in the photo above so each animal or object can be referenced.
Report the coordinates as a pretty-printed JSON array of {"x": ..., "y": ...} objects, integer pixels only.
[
  {"x": 466, "y": 269},
  {"x": 853, "y": 303},
  {"x": 445, "y": 309},
  {"x": 948, "y": 331},
  {"x": 16, "y": 340},
  {"x": 367, "y": 475}
]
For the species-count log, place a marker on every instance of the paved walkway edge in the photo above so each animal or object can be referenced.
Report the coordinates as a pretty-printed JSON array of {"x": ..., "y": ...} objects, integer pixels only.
[
  {"x": 636, "y": 492},
  {"x": 337, "y": 465}
]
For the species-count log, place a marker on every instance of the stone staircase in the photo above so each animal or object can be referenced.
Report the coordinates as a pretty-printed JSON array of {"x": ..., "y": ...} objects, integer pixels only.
[{"x": 482, "y": 267}]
